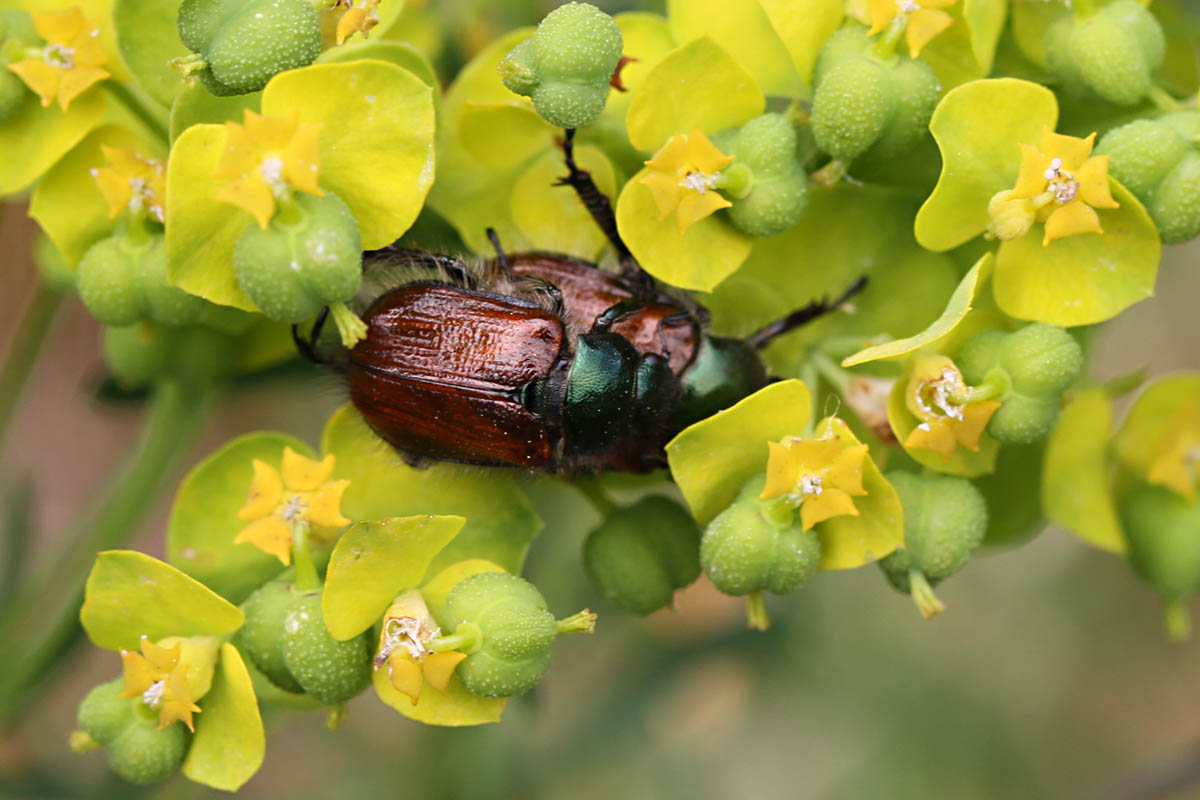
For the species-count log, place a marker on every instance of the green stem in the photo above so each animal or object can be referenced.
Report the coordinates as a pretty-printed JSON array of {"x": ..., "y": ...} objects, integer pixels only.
[
  {"x": 155, "y": 120},
  {"x": 22, "y": 355},
  {"x": 1177, "y": 620},
  {"x": 336, "y": 716},
  {"x": 464, "y": 640},
  {"x": 922, "y": 594},
  {"x": 288, "y": 212},
  {"x": 581, "y": 622},
  {"x": 599, "y": 498},
  {"x": 884, "y": 48},
  {"x": 307, "y": 579},
  {"x": 831, "y": 174},
  {"x": 756, "y": 612},
  {"x": 1163, "y": 100},
  {"x": 42, "y": 620}
]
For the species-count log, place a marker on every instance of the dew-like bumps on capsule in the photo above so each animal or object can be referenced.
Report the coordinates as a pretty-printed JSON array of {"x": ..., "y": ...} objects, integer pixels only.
[
  {"x": 516, "y": 627},
  {"x": 143, "y": 753},
  {"x": 945, "y": 519},
  {"x": 1159, "y": 161},
  {"x": 328, "y": 670},
  {"x": 766, "y": 145},
  {"x": 246, "y": 44},
  {"x": 1113, "y": 52},
  {"x": 122, "y": 284}
]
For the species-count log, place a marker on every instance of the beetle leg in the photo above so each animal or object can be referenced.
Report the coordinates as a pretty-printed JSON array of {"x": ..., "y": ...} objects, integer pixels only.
[
  {"x": 802, "y": 316},
  {"x": 612, "y": 314},
  {"x": 308, "y": 347},
  {"x": 500, "y": 257},
  {"x": 599, "y": 206}
]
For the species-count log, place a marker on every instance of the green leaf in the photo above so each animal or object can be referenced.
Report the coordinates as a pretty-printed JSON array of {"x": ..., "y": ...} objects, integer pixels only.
[
  {"x": 1030, "y": 21},
  {"x": 201, "y": 231},
  {"x": 1166, "y": 409},
  {"x": 1076, "y": 491},
  {"x": 67, "y": 203},
  {"x": 978, "y": 127},
  {"x": 647, "y": 38},
  {"x": 503, "y": 135},
  {"x": 375, "y": 561},
  {"x": 204, "y": 519},
  {"x": 698, "y": 85},
  {"x": 500, "y": 521},
  {"x": 377, "y": 141},
  {"x": 1081, "y": 279},
  {"x": 195, "y": 105},
  {"x": 964, "y": 462},
  {"x": 699, "y": 258},
  {"x": 35, "y": 137},
  {"x": 851, "y": 541},
  {"x": 957, "y": 309},
  {"x": 965, "y": 51},
  {"x": 549, "y": 215},
  {"x": 230, "y": 742},
  {"x": 437, "y": 589},
  {"x": 713, "y": 458},
  {"x": 264, "y": 344},
  {"x": 130, "y": 595},
  {"x": 745, "y": 31},
  {"x": 402, "y": 54},
  {"x": 456, "y": 708},
  {"x": 804, "y": 26},
  {"x": 148, "y": 38}
]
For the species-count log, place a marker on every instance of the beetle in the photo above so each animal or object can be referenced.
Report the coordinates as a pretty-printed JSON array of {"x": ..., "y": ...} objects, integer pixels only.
[{"x": 556, "y": 365}]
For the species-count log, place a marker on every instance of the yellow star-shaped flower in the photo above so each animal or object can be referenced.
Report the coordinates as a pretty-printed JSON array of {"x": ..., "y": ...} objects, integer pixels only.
[
  {"x": 937, "y": 396},
  {"x": 922, "y": 19},
  {"x": 132, "y": 182},
  {"x": 360, "y": 17},
  {"x": 160, "y": 678},
  {"x": 1061, "y": 184},
  {"x": 266, "y": 158},
  {"x": 821, "y": 476},
  {"x": 407, "y": 629},
  {"x": 70, "y": 61},
  {"x": 1176, "y": 462},
  {"x": 682, "y": 178},
  {"x": 299, "y": 493}
]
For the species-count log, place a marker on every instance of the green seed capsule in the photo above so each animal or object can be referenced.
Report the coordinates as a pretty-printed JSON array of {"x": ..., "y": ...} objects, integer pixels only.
[
  {"x": 1185, "y": 123},
  {"x": 915, "y": 91},
  {"x": 945, "y": 519},
  {"x": 1163, "y": 531},
  {"x": 1023, "y": 420},
  {"x": 201, "y": 21},
  {"x": 847, "y": 44},
  {"x": 262, "y": 636},
  {"x": 778, "y": 185},
  {"x": 1112, "y": 53},
  {"x": 851, "y": 108},
  {"x": 329, "y": 670},
  {"x": 980, "y": 354},
  {"x": 757, "y": 545},
  {"x": 104, "y": 714},
  {"x": 139, "y": 354},
  {"x": 641, "y": 554},
  {"x": 122, "y": 283},
  {"x": 1142, "y": 153},
  {"x": 143, "y": 753},
  {"x": 1042, "y": 360},
  {"x": 1175, "y": 205},
  {"x": 291, "y": 271},
  {"x": 515, "y": 633}
]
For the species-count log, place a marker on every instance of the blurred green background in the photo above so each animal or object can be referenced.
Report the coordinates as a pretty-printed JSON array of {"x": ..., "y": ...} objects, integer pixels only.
[{"x": 1049, "y": 677}]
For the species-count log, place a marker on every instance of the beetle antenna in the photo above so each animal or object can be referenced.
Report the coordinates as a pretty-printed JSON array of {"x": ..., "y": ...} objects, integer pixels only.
[
  {"x": 500, "y": 257},
  {"x": 308, "y": 347},
  {"x": 802, "y": 316},
  {"x": 594, "y": 200}
]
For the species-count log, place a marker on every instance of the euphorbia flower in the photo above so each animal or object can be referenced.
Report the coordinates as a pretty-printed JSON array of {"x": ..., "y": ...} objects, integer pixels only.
[
  {"x": 937, "y": 396},
  {"x": 922, "y": 19},
  {"x": 1176, "y": 460},
  {"x": 265, "y": 159},
  {"x": 70, "y": 61},
  {"x": 682, "y": 178},
  {"x": 133, "y": 182},
  {"x": 821, "y": 476},
  {"x": 407, "y": 630},
  {"x": 298, "y": 494},
  {"x": 1060, "y": 183},
  {"x": 160, "y": 677},
  {"x": 360, "y": 17}
]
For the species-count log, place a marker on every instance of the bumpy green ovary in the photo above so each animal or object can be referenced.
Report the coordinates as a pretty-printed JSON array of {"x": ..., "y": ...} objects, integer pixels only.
[
  {"x": 756, "y": 545},
  {"x": 566, "y": 66},
  {"x": 286, "y": 638},
  {"x": 515, "y": 631},
  {"x": 945, "y": 519},
  {"x": 1033, "y": 366},
  {"x": 291, "y": 270},
  {"x": 1159, "y": 161},
  {"x": 1113, "y": 52},
  {"x": 1162, "y": 529},
  {"x": 245, "y": 44},
  {"x": 776, "y": 185},
  {"x": 641, "y": 554},
  {"x": 137, "y": 749},
  {"x": 143, "y": 353},
  {"x": 122, "y": 283}
]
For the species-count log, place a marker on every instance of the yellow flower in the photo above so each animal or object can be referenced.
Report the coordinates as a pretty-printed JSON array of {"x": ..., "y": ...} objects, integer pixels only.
[
  {"x": 160, "y": 677},
  {"x": 1177, "y": 455},
  {"x": 1060, "y": 183},
  {"x": 133, "y": 182},
  {"x": 266, "y": 158},
  {"x": 69, "y": 63},
  {"x": 937, "y": 396},
  {"x": 298, "y": 494},
  {"x": 922, "y": 19},
  {"x": 360, "y": 17},
  {"x": 682, "y": 178},
  {"x": 819, "y": 475},
  {"x": 408, "y": 627}
]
